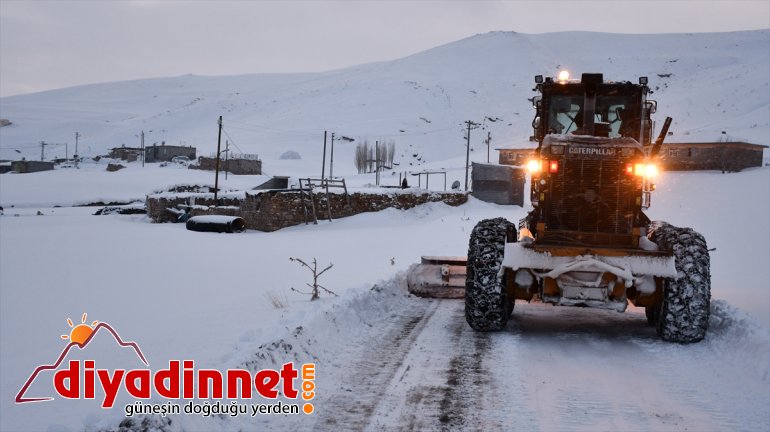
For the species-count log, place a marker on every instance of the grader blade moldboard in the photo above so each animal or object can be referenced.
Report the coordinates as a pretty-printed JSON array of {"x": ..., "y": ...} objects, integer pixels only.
[{"x": 438, "y": 277}]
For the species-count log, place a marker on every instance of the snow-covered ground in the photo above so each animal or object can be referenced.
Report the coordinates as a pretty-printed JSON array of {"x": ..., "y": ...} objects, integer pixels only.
[
  {"x": 385, "y": 360},
  {"x": 207, "y": 297}
]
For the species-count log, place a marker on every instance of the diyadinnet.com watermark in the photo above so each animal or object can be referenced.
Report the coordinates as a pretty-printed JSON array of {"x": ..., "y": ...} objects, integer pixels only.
[{"x": 188, "y": 390}]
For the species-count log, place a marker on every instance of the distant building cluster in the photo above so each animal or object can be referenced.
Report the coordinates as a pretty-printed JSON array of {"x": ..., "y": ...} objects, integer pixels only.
[
  {"x": 153, "y": 153},
  {"x": 241, "y": 164}
]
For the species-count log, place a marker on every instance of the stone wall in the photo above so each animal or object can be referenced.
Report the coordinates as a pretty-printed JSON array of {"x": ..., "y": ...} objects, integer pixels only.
[
  {"x": 158, "y": 207},
  {"x": 26, "y": 166},
  {"x": 273, "y": 210}
]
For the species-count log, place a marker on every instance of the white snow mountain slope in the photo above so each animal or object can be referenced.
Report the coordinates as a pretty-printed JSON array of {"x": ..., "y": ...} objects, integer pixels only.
[{"x": 709, "y": 84}]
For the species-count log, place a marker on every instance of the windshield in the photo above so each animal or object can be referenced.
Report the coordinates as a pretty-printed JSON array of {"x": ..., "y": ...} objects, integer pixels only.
[{"x": 621, "y": 113}]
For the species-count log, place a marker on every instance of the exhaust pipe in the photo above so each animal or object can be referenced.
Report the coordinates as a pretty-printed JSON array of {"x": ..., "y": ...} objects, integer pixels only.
[
  {"x": 659, "y": 142},
  {"x": 590, "y": 81}
]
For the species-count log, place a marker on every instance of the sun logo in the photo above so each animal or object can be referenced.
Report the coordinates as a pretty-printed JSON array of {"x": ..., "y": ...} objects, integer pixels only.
[{"x": 81, "y": 332}]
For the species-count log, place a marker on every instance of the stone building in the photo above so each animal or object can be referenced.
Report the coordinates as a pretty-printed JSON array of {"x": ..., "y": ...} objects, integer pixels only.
[
  {"x": 515, "y": 156},
  {"x": 164, "y": 153},
  {"x": 128, "y": 154},
  {"x": 721, "y": 156},
  {"x": 244, "y": 164}
]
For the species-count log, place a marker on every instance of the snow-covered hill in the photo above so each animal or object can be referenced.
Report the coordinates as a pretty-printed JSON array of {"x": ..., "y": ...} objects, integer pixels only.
[{"x": 709, "y": 83}]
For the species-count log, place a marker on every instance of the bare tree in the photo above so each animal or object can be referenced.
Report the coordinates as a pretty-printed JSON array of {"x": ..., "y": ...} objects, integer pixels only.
[
  {"x": 368, "y": 158},
  {"x": 390, "y": 152},
  {"x": 362, "y": 154},
  {"x": 315, "y": 287}
]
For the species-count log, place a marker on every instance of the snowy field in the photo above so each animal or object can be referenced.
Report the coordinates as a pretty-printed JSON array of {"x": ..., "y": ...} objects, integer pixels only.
[{"x": 206, "y": 297}]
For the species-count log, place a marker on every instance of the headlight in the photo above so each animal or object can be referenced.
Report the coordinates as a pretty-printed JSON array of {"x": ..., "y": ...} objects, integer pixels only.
[
  {"x": 533, "y": 166},
  {"x": 645, "y": 170}
]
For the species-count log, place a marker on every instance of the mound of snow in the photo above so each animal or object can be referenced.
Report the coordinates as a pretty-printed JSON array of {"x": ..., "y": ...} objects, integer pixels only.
[{"x": 290, "y": 154}]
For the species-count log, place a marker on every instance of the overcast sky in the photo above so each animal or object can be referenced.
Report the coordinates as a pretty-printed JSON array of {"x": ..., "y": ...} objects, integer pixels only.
[{"x": 53, "y": 44}]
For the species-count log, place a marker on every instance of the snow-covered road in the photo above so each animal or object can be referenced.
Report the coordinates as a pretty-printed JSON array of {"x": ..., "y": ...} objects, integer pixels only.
[{"x": 551, "y": 369}]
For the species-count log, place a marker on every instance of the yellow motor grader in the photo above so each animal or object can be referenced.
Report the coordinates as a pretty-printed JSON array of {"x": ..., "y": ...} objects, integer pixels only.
[{"x": 587, "y": 241}]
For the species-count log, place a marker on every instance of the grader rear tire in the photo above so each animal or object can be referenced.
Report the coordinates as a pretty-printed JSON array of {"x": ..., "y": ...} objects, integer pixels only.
[
  {"x": 487, "y": 307},
  {"x": 684, "y": 312}
]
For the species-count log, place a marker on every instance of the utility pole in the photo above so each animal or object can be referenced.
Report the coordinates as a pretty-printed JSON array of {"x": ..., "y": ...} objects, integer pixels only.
[
  {"x": 323, "y": 167},
  {"x": 75, "y": 156},
  {"x": 216, "y": 175},
  {"x": 227, "y": 157},
  {"x": 377, "y": 163},
  {"x": 142, "y": 145},
  {"x": 489, "y": 139},
  {"x": 42, "y": 150},
  {"x": 468, "y": 151},
  {"x": 331, "y": 159}
]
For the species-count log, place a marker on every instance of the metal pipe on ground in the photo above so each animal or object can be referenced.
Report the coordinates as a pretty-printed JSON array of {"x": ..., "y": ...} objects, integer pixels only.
[{"x": 215, "y": 223}]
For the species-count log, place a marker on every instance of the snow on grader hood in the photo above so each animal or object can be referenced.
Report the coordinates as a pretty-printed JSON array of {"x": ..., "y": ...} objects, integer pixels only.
[{"x": 587, "y": 241}]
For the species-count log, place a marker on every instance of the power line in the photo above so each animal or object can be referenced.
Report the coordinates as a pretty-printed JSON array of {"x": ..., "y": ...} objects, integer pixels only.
[
  {"x": 405, "y": 134},
  {"x": 261, "y": 128},
  {"x": 27, "y": 145},
  {"x": 232, "y": 141}
]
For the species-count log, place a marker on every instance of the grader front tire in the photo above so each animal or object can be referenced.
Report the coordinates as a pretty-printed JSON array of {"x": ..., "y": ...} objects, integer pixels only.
[
  {"x": 684, "y": 312},
  {"x": 487, "y": 306}
]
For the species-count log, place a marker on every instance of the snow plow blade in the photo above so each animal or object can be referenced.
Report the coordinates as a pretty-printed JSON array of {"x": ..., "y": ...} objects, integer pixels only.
[{"x": 438, "y": 277}]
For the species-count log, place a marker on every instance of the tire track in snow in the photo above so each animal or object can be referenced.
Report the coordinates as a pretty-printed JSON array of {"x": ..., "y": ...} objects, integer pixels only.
[
  {"x": 467, "y": 378},
  {"x": 352, "y": 408},
  {"x": 450, "y": 381},
  {"x": 442, "y": 378}
]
